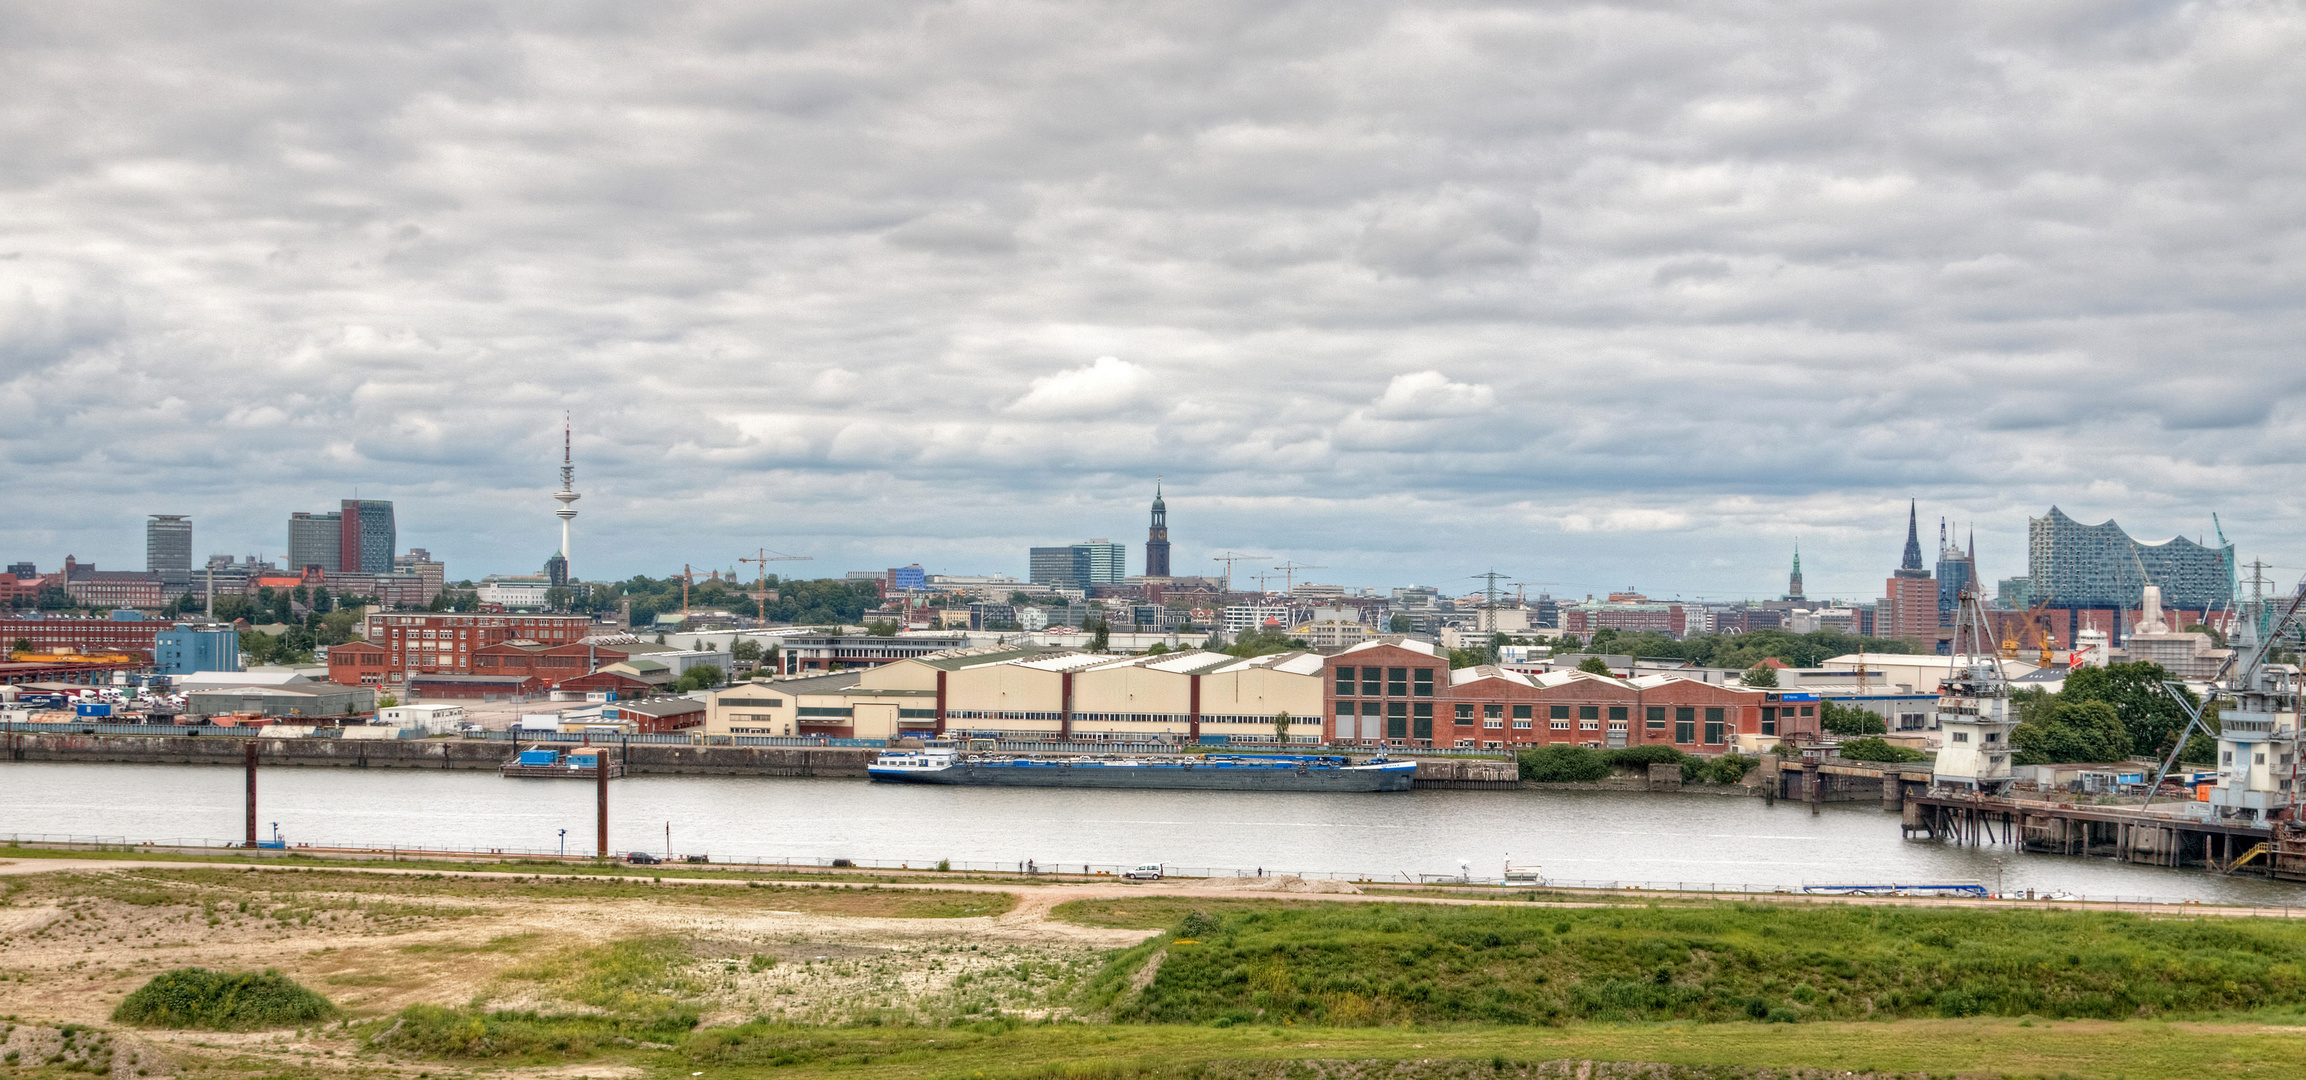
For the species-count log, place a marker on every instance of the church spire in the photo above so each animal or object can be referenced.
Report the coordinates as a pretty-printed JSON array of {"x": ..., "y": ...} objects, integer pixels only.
[{"x": 1912, "y": 566}]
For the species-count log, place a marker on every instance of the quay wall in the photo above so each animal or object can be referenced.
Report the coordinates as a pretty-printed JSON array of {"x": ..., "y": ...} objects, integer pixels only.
[{"x": 640, "y": 758}]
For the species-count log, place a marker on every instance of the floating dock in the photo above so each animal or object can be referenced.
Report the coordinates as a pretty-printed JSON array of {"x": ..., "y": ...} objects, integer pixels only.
[{"x": 551, "y": 764}]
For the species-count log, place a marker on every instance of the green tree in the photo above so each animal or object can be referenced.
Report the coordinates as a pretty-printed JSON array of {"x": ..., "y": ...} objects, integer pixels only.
[
  {"x": 746, "y": 650},
  {"x": 1401, "y": 624},
  {"x": 1263, "y": 641},
  {"x": 1762, "y": 676},
  {"x": 2070, "y": 731},
  {"x": 1281, "y": 727},
  {"x": 1594, "y": 664},
  {"x": 1158, "y": 649},
  {"x": 1100, "y": 636},
  {"x": 700, "y": 677},
  {"x": 883, "y": 628},
  {"x": 1465, "y": 658},
  {"x": 23, "y": 644},
  {"x": 1837, "y": 719},
  {"x": 1873, "y": 749},
  {"x": 2150, "y": 715}
]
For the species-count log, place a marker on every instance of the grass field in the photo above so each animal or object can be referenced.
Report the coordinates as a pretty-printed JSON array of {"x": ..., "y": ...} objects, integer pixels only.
[
  {"x": 2145, "y": 1050},
  {"x": 1377, "y": 964},
  {"x": 572, "y": 867},
  {"x": 286, "y": 893}
]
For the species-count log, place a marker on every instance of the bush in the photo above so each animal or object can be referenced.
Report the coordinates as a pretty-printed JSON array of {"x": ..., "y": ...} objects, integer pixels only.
[
  {"x": 1562, "y": 763},
  {"x": 1730, "y": 768},
  {"x": 1872, "y": 749},
  {"x": 222, "y": 1001},
  {"x": 1642, "y": 757}
]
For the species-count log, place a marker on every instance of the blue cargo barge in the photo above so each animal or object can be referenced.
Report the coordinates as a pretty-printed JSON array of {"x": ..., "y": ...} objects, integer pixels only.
[{"x": 938, "y": 763}]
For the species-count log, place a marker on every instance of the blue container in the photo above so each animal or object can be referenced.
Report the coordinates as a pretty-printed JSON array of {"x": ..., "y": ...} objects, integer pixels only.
[
  {"x": 539, "y": 757},
  {"x": 95, "y": 709}
]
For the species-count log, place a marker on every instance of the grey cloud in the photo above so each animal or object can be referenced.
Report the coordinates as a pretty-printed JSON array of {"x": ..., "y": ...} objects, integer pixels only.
[{"x": 1815, "y": 257}]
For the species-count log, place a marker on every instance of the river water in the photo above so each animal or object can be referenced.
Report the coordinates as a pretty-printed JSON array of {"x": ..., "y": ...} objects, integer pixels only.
[{"x": 1576, "y": 836}]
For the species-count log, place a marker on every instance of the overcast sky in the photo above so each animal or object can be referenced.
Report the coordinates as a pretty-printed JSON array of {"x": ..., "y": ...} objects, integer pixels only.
[{"x": 1600, "y": 295}]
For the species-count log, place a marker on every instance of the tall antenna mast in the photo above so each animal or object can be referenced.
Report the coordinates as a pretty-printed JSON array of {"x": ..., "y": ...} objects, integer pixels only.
[{"x": 567, "y": 493}]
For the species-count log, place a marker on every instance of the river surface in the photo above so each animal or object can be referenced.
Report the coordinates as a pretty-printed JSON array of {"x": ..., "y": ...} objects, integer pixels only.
[{"x": 1576, "y": 836}]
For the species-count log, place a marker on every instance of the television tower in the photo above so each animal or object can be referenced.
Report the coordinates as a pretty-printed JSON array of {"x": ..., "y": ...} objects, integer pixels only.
[{"x": 567, "y": 493}]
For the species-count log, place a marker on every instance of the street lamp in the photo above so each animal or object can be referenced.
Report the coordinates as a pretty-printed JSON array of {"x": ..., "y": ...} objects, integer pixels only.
[{"x": 564, "y": 843}]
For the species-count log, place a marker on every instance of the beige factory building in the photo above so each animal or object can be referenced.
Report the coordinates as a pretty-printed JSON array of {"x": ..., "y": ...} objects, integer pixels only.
[{"x": 1037, "y": 693}]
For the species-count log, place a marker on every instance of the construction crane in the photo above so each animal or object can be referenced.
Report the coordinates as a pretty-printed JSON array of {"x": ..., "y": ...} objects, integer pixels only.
[
  {"x": 2015, "y": 632},
  {"x": 1229, "y": 558},
  {"x": 1289, "y": 574},
  {"x": 764, "y": 557},
  {"x": 1261, "y": 579}
]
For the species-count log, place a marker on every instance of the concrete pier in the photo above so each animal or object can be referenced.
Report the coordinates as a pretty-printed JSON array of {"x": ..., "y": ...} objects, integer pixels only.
[{"x": 2111, "y": 831}]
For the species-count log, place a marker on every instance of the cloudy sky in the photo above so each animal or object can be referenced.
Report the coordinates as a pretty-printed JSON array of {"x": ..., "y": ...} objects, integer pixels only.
[{"x": 1594, "y": 294}]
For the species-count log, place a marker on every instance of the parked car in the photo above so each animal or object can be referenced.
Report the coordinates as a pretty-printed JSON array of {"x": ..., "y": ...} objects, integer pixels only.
[
  {"x": 642, "y": 858},
  {"x": 1147, "y": 872}
]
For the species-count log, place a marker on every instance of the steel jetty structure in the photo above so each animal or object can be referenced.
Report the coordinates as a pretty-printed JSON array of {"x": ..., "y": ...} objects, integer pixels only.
[{"x": 937, "y": 763}]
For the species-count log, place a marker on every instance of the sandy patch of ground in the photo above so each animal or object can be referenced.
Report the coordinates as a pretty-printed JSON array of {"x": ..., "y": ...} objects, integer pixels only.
[{"x": 1284, "y": 883}]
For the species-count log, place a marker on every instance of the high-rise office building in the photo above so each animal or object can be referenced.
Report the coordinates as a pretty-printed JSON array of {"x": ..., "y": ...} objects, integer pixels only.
[
  {"x": 1957, "y": 570},
  {"x": 1052, "y": 566},
  {"x": 168, "y": 552},
  {"x": 1101, "y": 561},
  {"x": 368, "y": 538},
  {"x": 315, "y": 540},
  {"x": 1157, "y": 538},
  {"x": 1091, "y": 562}
]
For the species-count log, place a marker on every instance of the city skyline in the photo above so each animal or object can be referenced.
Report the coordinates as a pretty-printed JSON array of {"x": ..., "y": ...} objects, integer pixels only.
[
  {"x": 1371, "y": 289},
  {"x": 1995, "y": 563}
]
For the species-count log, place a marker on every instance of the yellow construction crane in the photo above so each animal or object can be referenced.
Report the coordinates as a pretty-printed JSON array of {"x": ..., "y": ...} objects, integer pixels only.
[{"x": 764, "y": 557}]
